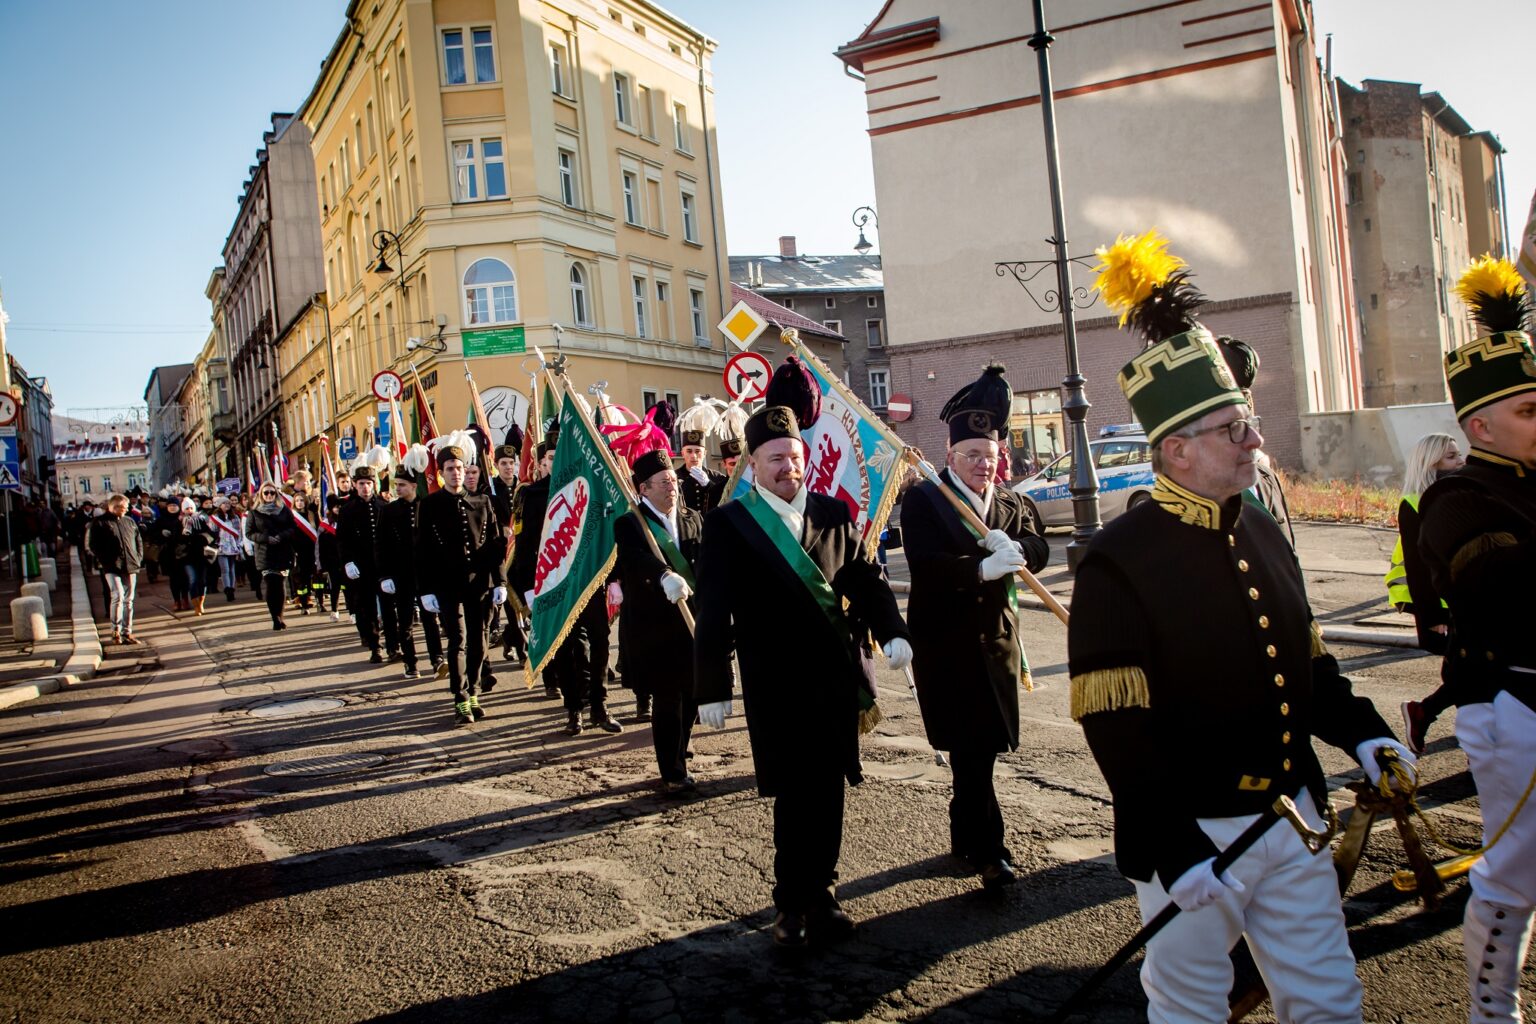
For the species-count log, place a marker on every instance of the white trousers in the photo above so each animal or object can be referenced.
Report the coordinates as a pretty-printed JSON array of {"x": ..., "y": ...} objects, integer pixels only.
[
  {"x": 1500, "y": 742},
  {"x": 1291, "y": 913}
]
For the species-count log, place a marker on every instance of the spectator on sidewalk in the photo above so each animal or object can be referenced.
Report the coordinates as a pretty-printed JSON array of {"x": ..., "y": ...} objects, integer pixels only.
[
  {"x": 231, "y": 531},
  {"x": 118, "y": 547}
]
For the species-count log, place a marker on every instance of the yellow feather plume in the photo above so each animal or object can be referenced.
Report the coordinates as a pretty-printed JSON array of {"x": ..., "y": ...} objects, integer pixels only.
[
  {"x": 1489, "y": 276},
  {"x": 1131, "y": 268}
]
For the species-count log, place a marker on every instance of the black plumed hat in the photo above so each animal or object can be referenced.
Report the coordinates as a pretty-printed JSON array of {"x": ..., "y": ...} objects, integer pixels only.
[
  {"x": 1241, "y": 359},
  {"x": 793, "y": 385},
  {"x": 514, "y": 437},
  {"x": 981, "y": 408}
]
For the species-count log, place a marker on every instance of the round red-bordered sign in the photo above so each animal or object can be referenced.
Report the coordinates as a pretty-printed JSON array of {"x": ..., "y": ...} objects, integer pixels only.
[
  {"x": 747, "y": 375},
  {"x": 899, "y": 407},
  {"x": 387, "y": 384}
]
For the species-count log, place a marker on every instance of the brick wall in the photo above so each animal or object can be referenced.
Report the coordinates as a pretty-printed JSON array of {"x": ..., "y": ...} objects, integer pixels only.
[{"x": 1036, "y": 361}]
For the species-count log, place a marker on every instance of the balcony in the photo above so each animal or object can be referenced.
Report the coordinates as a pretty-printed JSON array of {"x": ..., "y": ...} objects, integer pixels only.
[{"x": 224, "y": 429}]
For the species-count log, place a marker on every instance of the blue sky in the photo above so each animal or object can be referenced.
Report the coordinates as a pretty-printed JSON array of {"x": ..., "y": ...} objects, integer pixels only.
[{"x": 125, "y": 139}]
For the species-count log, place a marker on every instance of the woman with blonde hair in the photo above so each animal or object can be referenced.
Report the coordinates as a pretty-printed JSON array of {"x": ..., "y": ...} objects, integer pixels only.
[{"x": 1408, "y": 583}]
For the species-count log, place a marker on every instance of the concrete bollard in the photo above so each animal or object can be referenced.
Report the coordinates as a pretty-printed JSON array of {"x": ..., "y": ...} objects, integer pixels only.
[
  {"x": 48, "y": 569},
  {"x": 27, "y": 619},
  {"x": 39, "y": 590}
]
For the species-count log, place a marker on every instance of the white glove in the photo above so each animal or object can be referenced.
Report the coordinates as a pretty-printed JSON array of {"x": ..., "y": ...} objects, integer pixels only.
[
  {"x": 1199, "y": 886},
  {"x": 388, "y": 586},
  {"x": 249, "y": 546},
  {"x": 615, "y": 594},
  {"x": 997, "y": 540},
  {"x": 676, "y": 588},
  {"x": 714, "y": 715},
  {"x": 352, "y": 570},
  {"x": 1365, "y": 753},
  {"x": 697, "y": 472},
  {"x": 498, "y": 596},
  {"x": 1002, "y": 563},
  {"x": 429, "y": 603},
  {"x": 528, "y": 601},
  {"x": 898, "y": 652}
]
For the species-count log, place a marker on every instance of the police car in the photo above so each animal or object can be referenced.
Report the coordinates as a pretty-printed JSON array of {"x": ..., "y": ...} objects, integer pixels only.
[{"x": 1124, "y": 463}]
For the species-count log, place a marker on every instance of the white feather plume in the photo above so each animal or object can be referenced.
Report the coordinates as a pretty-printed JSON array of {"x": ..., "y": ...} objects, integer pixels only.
[
  {"x": 376, "y": 458},
  {"x": 733, "y": 422},
  {"x": 461, "y": 439},
  {"x": 416, "y": 459},
  {"x": 702, "y": 415},
  {"x": 581, "y": 400}
]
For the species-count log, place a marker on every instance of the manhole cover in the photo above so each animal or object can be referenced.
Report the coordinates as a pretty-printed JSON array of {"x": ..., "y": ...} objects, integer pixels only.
[
  {"x": 294, "y": 708},
  {"x": 337, "y": 764}
]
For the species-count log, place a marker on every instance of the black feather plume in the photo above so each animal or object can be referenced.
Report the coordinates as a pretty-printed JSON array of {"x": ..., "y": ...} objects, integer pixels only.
[
  {"x": 1169, "y": 310},
  {"x": 1505, "y": 311},
  {"x": 794, "y": 385}
]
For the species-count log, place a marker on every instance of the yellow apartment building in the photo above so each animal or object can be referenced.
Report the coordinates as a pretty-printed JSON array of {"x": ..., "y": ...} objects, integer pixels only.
[
  {"x": 304, "y": 381},
  {"x": 497, "y": 175}
]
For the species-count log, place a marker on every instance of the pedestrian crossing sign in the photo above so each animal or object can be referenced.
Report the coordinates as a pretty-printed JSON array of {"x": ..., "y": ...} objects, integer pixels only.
[
  {"x": 10, "y": 476},
  {"x": 742, "y": 325}
]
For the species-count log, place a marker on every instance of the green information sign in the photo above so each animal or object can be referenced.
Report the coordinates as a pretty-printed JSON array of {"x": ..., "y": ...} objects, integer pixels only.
[{"x": 498, "y": 341}]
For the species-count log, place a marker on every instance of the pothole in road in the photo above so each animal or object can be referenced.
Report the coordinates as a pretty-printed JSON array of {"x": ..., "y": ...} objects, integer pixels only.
[
  {"x": 295, "y": 708},
  {"x": 552, "y": 904},
  {"x": 338, "y": 764}
]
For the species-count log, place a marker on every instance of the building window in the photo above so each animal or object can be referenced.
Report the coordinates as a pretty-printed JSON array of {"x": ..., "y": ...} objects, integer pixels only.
[
  {"x": 453, "y": 58},
  {"x": 829, "y": 302},
  {"x": 621, "y": 99},
  {"x": 581, "y": 311},
  {"x": 557, "y": 70},
  {"x": 1373, "y": 300},
  {"x": 479, "y": 173},
  {"x": 835, "y": 326},
  {"x": 567, "y": 161},
  {"x": 1355, "y": 190},
  {"x": 85, "y": 485},
  {"x": 647, "y": 112},
  {"x": 373, "y": 135},
  {"x": 455, "y": 69},
  {"x": 870, "y": 302},
  {"x": 696, "y": 314},
  {"x": 879, "y": 388},
  {"x": 485, "y": 55},
  {"x": 690, "y": 218},
  {"x": 788, "y": 302},
  {"x": 874, "y": 332},
  {"x": 680, "y": 127},
  {"x": 631, "y": 199},
  {"x": 65, "y": 485},
  {"x": 663, "y": 311},
  {"x": 647, "y": 399},
  {"x": 490, "y": 293},
  {"x": 639, "y": 294}
]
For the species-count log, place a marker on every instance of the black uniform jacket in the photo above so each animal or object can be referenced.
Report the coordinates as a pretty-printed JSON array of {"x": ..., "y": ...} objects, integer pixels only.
[
  {"x": 396, "y": 554},
  {"x": 1478, "y": 537},
  {"x": 504, "y": 500},
  {"x": 459, "y": 547},
  {"x": 1199, "y": 675},
  {"x": 533, "y": 500},
  {"x": 357, "y": 528},
  {"x": 651, "y": 629},
  {"x": 964, "y": 635},
  {"x": 702, "y": 498},
  {"x": 1426, "y": 607},
  {"x": 799, "y": 677}
]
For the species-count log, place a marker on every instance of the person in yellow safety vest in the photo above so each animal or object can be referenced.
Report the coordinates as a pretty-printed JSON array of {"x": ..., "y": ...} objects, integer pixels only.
[{"x": 1434, "y": 456}]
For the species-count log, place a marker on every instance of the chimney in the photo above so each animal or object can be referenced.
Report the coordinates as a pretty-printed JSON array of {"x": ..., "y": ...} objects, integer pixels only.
[{"x": 787, "y": 247}]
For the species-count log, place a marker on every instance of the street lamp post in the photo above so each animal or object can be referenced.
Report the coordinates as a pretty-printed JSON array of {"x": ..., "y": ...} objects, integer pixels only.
[{"x": 862, "y": 216}]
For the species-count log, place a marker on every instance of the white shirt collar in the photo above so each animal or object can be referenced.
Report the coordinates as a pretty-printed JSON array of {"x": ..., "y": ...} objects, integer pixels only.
[
  {"x": 980, "y": 502},
  {"x": 791, "y": 512},
  {"x": 670, "y": 521}
]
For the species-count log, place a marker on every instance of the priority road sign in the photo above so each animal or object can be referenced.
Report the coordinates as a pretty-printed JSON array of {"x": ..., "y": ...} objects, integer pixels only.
[
  {"x": 742, "y": 325},
  {"x": 746, "y": 376},
  {"x": 10, "y": 476}
]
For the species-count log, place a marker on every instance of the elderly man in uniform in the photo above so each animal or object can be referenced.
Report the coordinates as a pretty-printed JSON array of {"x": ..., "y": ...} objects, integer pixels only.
[
  {"x": 1478, "y": 539},
  {"x": 358, "y": 534},
  {"x": 397, "y": 564},
  {"x": 459, "y": 551},
  {"x": 962, "y": 590},
  {"x": 776, "y": 569},
  {"x": 1200, "y": 678},
  {"x": 651, "y": 630}
]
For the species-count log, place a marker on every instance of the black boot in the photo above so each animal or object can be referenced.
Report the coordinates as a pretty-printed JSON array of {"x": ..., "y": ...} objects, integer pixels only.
[
  {"x": 601, "y": 719},
  {"x": 229, "y": 593},
  {"x": 463, "y": 712},
  {"x": 573, "y": 723},
  {"x": 642, "y": 707},
  {"x": 475, "y": 709}
]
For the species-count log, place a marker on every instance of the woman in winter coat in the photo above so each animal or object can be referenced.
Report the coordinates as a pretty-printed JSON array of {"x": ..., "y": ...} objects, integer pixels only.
[
  {"x": 165, "y": 529},
  {"x": 194, "y": 548},
  {"x": 305, "y": 559},
  {"x": 231, "y": 530},
  {"x": 270, "y": 527}
]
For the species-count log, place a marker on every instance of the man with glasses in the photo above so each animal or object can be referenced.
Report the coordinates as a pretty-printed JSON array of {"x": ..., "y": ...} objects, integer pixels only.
[
  {"x": 963, "y": 591},
  {"x": 1200, "y": 678},
  {"x": 1266, "y": 494}
]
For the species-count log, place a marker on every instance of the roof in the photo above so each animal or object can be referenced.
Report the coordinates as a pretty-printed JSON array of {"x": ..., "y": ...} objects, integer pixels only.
[
  {"x": 780, "y": 317},
  {"x": 789, "y": 275},
  {"x": 171, "y": 380},
  {"x": 77, "y": 451}
]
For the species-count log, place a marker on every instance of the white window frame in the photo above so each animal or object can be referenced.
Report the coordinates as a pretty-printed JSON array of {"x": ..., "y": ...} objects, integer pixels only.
[
  {"x": 565, "y": 168},
  {"x": 623, "y": 100},
  {"x": 689, "y": 201},
  {"x": 788, "y": 302},
  {"x": 680, "y": 135},
  {"x": 489, "y": 297},
  {"x": 879, "y": 326},
  {"x": 870, "y": 302},
  {"x": 696, "y": 309},
  {"x": 662, "y": 320},
  {"x": 581, "y": 297},
  {"x": 476, "y": 164},
  {"x": 835, "y": 326},
  {"x": 879, "y": 399},
  {"x": 470, "y": 53},
  {"x": 630, "y": 185},
  {"x": 829, "y": 303},
  {"x": 648, "y": 398},
  {"x": 639, "y": 294},
  {"x": 559, "y": 65},
  {"x": 645, "y": 109}
]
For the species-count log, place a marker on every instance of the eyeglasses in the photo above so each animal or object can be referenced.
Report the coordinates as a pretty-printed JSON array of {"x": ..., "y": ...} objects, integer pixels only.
[
  {"x": 1237, "y": 430},
  {"x": 976, "y": 459}
]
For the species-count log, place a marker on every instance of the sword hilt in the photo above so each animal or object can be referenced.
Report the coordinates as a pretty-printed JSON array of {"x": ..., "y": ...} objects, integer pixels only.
[{"x": 1314, "y": 840}]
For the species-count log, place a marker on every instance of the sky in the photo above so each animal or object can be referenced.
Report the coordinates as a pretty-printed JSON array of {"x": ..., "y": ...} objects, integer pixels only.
[{"x": 121, "y": 166}]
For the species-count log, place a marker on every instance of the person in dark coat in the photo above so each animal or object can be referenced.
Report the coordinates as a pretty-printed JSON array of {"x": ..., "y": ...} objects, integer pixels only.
[
  {"x": 165, "y": 529},
  {"x": 1267, "y": 493},
  {"x": 329, "y": 547},
  {"x": 651, "y": 627},
  {"x": 304, "y": 583},
  {"x": 504, "y": 620},
  {"x": 775, "y": 569},
  {"x": 963, "y": 588},
  {"x": 271, "y": 529},
  {"x": 192, "y": 544},
  {"x": 459, "y": 550},
  {"x": 357, "y": 530},
  {"x": 530, "y": 503},
  {"x": 397, "y": 565},
  {"x": 701, "y": 488},
  {"x": 118, "y": 547}
]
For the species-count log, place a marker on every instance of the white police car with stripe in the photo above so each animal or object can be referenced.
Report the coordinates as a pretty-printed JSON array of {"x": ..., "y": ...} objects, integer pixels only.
[{"x": 1124, "y": 463}]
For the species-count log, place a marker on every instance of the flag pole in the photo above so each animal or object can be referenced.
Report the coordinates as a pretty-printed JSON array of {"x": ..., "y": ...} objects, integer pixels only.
[
  {"x": 487, "y": 464},
  {"x": 420, "y": 391}
]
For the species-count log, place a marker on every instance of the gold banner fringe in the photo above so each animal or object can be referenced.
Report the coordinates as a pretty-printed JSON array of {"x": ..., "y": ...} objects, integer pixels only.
[
  {"x": 1109, "y": 689},
  {"x": 1319, "y": 648}
]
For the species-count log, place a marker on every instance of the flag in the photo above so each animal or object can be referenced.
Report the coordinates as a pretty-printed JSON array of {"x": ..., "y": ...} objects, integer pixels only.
[
  {"x": 1526, "y": 248},
  {"x": 279, "y": 459},
  {"x": 426, "y": 431},
  {"x": 576, "y": 548},
  {"x": 533, "y": 433},
  {"x": 250, "y": 477},
  {"x": 851, "y": 454}
]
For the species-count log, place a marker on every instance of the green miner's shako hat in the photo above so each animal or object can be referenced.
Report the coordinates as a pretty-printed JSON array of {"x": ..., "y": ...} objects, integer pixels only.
[
  {"x": 981, "y": 408},
  {"x": 1181, "y": 375},
  {"x": 1501, "y": 363}
]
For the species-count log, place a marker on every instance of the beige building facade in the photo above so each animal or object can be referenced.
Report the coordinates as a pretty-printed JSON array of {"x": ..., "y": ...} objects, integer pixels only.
[
  {"x": 1211, "y": 120},
  {"x": 532, "y": 174}
]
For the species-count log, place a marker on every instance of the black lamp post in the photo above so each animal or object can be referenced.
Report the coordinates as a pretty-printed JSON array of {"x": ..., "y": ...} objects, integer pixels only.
[
  {"x": 862, "y": 216},
  {"x": 1064, "y": 298},
  {"x": 382, "y": 241}
]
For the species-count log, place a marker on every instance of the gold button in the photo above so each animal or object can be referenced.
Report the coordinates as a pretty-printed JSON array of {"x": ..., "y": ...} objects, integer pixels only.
[
  {"x": 1285, "y": 737},
  {"x": 1279, "y": 679},
  {"x": 1231, "y": 541},
  {"x": 1263, "y": 621},
  {"x": 1253, "y": 592},
  {"x": 1285, "y": 709},
  {"x": 1270, "y": 650},
  {"x": 1242, "y": 563},
  {"x": 1463, "y": 652},
  {"x": 1490, "y": 655},
  {"x": 1286, "y": 764}
]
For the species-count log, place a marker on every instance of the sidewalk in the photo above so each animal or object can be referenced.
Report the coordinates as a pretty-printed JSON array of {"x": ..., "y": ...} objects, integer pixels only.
[{"x": 72, "y": 652}]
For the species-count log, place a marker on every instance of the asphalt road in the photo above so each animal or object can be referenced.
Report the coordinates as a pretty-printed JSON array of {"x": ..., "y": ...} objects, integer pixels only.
[{"x": 156, "y": 869}]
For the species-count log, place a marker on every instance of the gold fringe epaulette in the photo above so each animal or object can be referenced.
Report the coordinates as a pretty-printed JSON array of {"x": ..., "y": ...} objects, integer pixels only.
[
  {"x": 1480, "y": 545},
  {"x": 869, "y": 718},
  {"x": 1027, "y": 681},
  {"x": 1318, "y": 647},
  {"x": 1109, "y": 689}
]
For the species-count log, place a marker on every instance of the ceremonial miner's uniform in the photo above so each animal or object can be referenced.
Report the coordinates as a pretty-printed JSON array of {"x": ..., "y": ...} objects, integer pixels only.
[
  {"x": 1267, "y": 494},
  {"x": 1200, "y": 678},
  {"x": 398, "y": 529},
  {"x": 458, "y": 561},
  {"x": 1478, "y": 539},
  {"x": 357, "y": 530},
  {"x": 651, "y": 628},
  {"x": 532, "y": 501},
  {"x": 968, "y": 654},
  {"x": 504, "y": 501},
  {"x": 772, "y": 579},
  {"x": 701, "y": 495}
]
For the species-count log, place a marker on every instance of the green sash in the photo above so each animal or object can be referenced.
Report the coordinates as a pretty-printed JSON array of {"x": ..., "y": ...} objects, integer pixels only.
[
  {"x": 1249, "y": 498},
  {"x": 806, "y": 570},
  {"x": 674, "y": 556},
  {"x": 1012, "y": 580}
]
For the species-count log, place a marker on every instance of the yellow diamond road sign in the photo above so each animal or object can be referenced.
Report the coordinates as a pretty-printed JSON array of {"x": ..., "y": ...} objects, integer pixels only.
[{"x": 742, "y": 325}]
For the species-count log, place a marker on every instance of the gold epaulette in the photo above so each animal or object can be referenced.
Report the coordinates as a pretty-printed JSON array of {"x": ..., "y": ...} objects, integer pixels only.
[
  {"x": 1109, "y": 689},
  {"x": 1318, "y": 647}
]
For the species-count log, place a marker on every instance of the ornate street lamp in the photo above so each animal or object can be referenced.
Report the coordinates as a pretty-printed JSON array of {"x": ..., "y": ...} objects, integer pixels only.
[{"x": 862, "y": 216}]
